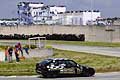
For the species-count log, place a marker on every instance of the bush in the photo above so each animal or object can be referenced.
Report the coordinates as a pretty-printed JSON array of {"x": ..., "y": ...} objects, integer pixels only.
[{"x": 66, "y": 37}]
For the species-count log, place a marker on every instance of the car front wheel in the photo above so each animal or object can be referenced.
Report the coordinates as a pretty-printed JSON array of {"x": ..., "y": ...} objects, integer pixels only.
[{"x": 88, "y": 72}]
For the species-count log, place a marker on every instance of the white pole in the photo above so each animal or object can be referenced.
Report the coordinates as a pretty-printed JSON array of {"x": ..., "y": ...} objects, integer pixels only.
[
  {"x": 39, "y": 43},
  {"x": 91, "y": 12},
  {"x": 29, "y": 43}
]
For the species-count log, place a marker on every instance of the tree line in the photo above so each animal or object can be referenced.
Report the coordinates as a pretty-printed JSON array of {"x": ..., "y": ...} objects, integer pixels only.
[{"x": 66, "y": 37}]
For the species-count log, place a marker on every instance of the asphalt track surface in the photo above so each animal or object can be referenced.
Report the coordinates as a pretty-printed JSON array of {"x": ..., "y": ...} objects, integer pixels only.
[
  {"x": 110, "y": 51},
  {"x": 98, "y": 76}
]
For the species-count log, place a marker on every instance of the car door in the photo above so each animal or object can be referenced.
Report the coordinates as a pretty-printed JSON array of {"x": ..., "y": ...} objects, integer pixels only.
[{"x": 70, "y": 67}]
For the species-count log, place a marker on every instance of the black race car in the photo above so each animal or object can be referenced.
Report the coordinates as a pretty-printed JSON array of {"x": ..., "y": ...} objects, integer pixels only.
[{"x": 54, "y": 67}]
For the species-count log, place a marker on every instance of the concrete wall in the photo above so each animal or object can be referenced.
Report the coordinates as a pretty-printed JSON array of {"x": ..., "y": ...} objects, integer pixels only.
[{"x": 92, "y": 33}]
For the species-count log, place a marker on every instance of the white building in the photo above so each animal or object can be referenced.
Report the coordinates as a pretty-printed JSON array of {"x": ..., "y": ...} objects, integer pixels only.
[
  {"x": 57, "y": 9},
  {"x": 90, "y": 16},
  {"x": 9, "y": 22},
  {"x": 38, "y": 13},
  {"x": 78, "y": 17},
  {"x": 32, "y": 12},
  {"x": 25, "y": 11}
]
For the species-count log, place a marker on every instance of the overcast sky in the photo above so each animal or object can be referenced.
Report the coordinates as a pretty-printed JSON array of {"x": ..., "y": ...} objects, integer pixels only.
[{"x": 108, "y": 8}]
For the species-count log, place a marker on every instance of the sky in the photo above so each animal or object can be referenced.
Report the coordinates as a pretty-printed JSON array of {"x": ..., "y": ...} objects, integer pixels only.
[{"x": 108, "y": 8}]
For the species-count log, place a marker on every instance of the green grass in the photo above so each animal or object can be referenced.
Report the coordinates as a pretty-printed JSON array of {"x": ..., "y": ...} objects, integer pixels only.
[
  {"x": 2, "y": 47},
  {"x": 99, "y": 62},
  {"x": 48, "y": 46},
  {"x": 27, "y": 66},
  {"x": 105, "y": 44}
]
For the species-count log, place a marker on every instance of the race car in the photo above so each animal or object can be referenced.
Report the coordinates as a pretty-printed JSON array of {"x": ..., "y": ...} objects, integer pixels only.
[{"x": 54, "y": 67}]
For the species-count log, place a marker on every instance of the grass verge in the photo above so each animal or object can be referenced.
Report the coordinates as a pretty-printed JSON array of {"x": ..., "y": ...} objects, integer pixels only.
[
  {"x": 82, "y": 43},
  {"x": 101, "y": 63},
  {"x": 27, "y": 67}
]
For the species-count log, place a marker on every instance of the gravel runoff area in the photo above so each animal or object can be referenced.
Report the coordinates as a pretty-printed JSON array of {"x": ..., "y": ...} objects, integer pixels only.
[{"x": 32, "y": 53}]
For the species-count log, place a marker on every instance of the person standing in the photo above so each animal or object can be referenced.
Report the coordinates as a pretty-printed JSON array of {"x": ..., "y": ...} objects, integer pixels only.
[
  {"x": 10, "y": 51},
  {"x": 20, "y": 48},
  {"x": 16, "y": 50},
  {"x": 6, "y": 54}
]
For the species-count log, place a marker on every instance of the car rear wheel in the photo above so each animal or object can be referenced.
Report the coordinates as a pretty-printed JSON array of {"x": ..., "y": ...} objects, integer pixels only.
[
  {"x": 46, "y": 75},
  {"x": 50, "y": 74}
]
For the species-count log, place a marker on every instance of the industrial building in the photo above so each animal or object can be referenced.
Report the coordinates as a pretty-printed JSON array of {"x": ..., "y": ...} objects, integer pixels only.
[
  {"x": 38, "y": 13},
  {"x": 32, "y": 12},
  {"x": 26, "y": 11},
  {"x": 78, "y": 17}
]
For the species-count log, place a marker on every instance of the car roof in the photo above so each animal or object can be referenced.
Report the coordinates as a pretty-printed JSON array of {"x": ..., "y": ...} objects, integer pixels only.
[
  {"x": 58, "y": 59},
  {"x": 53, "y": 59}
]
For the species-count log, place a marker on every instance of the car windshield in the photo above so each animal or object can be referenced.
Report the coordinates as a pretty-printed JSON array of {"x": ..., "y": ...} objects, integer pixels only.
[
  {"x": 46, "y": 61},
  {"x": 71, "y": 63}
]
